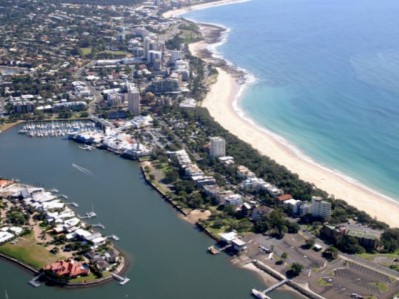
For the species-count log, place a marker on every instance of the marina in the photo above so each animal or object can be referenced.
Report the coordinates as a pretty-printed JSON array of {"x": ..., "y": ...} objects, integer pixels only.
[{"x": 57, "y": 128}]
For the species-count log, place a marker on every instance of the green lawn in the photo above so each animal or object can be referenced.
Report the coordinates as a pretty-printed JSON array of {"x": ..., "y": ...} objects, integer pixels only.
[
  {"x": 382, "y": 287},
  {"x": 88, "y": 278},
  {"x": 323, "y": 283},
  {"x": 115, "y": 53},
  {"x": 372, "y": 256},
  {"x": 29, "y": 252},
  {"x": 85, "y": 51}
]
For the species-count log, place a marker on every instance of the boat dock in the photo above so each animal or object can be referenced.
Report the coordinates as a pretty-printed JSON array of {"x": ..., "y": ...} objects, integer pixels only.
[
  {"x": 35, "y": 281},
  {"x": 277, "y": 285},
  {"x": 122, "y": 280},
  {"x": 100, "y": 225},
  {"x": 88, "y": 215},
  {"x": 262, "y": 294},
  {"x": 212, "y": 249},
  {"x": 57, "y": 128}
]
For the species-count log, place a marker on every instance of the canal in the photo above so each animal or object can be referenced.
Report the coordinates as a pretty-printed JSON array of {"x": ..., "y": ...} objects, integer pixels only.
[{"x": 168, "y": 257}]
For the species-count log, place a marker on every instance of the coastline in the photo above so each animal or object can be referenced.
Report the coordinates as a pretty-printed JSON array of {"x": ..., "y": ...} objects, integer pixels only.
[
  {"x": 5, "y": 127},
  {"x": 222, "y": 104},
  {"x": 177, "y": 12}
]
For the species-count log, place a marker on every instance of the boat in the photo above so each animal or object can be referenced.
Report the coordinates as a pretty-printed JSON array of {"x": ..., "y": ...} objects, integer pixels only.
[
  {"x": 87, "y": 148},
  {"x": 91, "y": 214},
  {"x": 213, "y": 250},
  {"x": 259, "y": 294}
]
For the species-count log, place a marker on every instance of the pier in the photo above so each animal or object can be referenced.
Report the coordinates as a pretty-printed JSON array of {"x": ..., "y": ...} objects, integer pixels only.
[
  {"x": 88, "y": 215},
  {"x": 35, "y": 281},
  {"x": 122, "y": 280},
  {"x": 277, "y": 285},
  {"x": 72, "y": 204},
  {"x": 100, "y": 225},
  {"x": 262, "y": 294},
  {"x": 214, "y": 250}
]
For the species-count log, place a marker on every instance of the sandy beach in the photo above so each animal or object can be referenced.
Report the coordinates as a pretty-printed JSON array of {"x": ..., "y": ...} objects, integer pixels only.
[
  {"x": 177, "y": 12},
  {"x": 220, "y": 103}
]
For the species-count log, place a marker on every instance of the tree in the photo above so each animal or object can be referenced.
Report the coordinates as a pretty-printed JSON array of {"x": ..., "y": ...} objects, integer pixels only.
[
  {"x": 309, "y": 243},
  {"x": 171, "y": 176},
  {"x": 295, "y": 270},
  {"x": 350, "y": 245},
  {"x": 331, "y": 253},
  {"x": 293, "y": 227},
  {"x": 390, "y": 240}
]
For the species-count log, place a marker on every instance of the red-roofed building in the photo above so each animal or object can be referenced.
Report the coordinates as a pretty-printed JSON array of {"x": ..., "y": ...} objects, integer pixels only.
[
  {"x": 5, "y": 183},
  {"x": 69, "y": 268},
  {"x": 284, "y": 197}
]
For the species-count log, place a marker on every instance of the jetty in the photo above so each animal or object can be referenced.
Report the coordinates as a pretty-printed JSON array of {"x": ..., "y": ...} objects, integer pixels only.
[
  {"x": 214, "y": 250},
  {"x": 100, "y": 225},
  {"x": 88, "y": 215},
  {"x": 263, "y": 294},
  {"x": 277, "y": 285},
  {"x": 122, "y": 280},
  {"x": 35, "y": 281}
]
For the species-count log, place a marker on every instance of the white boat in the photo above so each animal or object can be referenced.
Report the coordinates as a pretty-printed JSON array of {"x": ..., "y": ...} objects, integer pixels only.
[
  {"x": 91, "y": 214},
  {"x": 87, "y": 148},
  {"x": 259, "y": 294}
]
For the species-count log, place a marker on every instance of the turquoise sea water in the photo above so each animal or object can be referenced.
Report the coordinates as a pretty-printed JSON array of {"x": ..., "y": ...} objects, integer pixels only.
[{"x": 327, "y": 78}]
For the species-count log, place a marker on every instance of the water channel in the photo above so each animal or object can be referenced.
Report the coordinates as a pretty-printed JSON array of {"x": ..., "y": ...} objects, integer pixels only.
[{"x": 168, "y": 255}]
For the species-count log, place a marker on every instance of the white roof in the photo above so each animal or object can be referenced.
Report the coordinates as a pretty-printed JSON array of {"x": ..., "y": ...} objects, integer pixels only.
[
  {"x": 292, "y": 201},
  {"x": 82, "y": 233},
  {"x": 98, "y": 240},
  {"x": 239, "y": 242},
  {"x": 54, "y": 204},
  {"x": 42, "y": 196},
  {"x": 71, "y": 222},
  {"x": 5, "y": 236},
  {"x": 16, "y": 230},
  {"x": 228, "y": 237}
]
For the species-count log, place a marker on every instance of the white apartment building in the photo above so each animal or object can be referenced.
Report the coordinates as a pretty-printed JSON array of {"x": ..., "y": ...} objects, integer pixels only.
[
  {"x": 320, "y": 208},
  {"x": 217, "y": 147},
  {"x": 133, "y": 99}
]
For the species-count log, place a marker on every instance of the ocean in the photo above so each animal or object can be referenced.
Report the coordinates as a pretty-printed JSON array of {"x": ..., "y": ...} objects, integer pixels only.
[{"x": 327, "y": 79}]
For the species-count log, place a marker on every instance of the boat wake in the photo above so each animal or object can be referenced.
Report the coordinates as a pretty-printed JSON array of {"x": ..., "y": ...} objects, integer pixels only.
[{"x": 81, "y": 169}]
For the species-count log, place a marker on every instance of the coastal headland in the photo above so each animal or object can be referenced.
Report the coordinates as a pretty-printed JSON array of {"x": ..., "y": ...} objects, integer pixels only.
[{"x": 222, "y": 103}]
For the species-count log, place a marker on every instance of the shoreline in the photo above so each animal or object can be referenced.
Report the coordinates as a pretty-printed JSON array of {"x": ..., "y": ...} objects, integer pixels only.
[
  {"x": 177, "y": 12},
  {"x": 222, "y": 102},
  {"x": 7, "y": 126}
]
